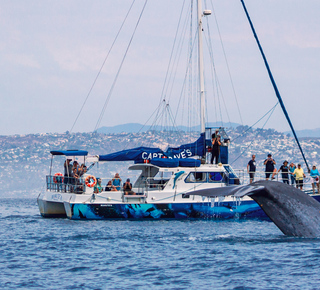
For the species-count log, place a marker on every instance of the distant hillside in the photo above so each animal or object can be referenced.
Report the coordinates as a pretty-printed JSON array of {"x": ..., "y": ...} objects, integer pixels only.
[
  {"x": 136, "y": 127},
  {"x": 315, "y": 133},
  {"x": 25, "y": 159}
]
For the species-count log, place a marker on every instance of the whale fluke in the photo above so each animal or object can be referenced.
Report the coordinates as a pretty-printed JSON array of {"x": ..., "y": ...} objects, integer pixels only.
[{"x": 293, "y": 211}]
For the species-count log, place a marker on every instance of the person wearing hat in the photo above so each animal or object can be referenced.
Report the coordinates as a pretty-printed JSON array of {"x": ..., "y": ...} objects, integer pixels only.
[
  {"x": 270, "y": 169},
  {"x": 314, "y": 174},
  {"x": 284, "y": 172},
  {"x": 127, "y": 187},
  {"x": 299, "y": 173}
]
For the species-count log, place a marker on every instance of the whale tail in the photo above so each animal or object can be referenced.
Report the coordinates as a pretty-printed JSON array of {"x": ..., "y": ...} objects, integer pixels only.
[{"x": 294, "y": 212}]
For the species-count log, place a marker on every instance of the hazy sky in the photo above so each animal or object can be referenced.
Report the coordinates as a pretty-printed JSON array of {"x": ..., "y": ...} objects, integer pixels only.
[{"x": 51, "y": 51}]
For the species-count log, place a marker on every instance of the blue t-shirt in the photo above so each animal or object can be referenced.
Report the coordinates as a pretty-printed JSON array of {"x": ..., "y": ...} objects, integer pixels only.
[
  {"x": 116, "y": 183},
  {"x": 314, "y": 173}
]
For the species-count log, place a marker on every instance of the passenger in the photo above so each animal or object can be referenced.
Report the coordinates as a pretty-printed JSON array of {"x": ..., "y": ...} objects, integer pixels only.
[
  {"x": 215, "y": 134},
  {"x": 82, "y": 170},
  {"x": 110, "y": 187},
  {"x": 285, "y": 172},
  {"x": 74, "y": 179},
  {"x": 292, "y": 168},
  {"x": 127, "y": 188},
  {"x": 98, "y": 188},
  {"x": 299, "y": 173},
  {"x": 76, "y": 166},
  {"x": 116, "y": 181},
  {"x": 215, "y": 152},
  {"x": 314, "y": 174},
  {"x": 67, "y": 173},
  {"x": 270, "y": 163},
  {"x": 251, "y": 168}
]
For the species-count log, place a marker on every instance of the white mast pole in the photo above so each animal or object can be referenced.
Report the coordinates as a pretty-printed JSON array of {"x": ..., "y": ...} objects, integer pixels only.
[{"x": 200, "y": 61}]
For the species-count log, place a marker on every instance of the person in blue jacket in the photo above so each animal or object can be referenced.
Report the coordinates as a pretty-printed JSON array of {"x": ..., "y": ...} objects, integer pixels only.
[{"x": 314, "y": 174}]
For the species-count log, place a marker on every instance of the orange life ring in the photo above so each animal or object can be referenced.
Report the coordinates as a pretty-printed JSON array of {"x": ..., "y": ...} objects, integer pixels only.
[
  {"x": 90, "y": 181},
  {"x": 55, "y": 177}
]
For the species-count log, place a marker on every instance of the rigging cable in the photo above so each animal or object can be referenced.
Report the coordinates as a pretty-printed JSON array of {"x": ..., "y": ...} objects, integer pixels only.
[
  {"x": 169, "y": 64},
  {"x": 99, "y": 72},
  {"x": 272, "y": 110},
  {"x": 228, "y": 68},
  {"x": 118, "y": 72},
  {"x": 244, "y": 132}
]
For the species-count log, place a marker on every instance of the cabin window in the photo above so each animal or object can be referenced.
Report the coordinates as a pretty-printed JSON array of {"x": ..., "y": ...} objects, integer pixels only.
[
  {"x": 196, "y": 177},
  {"x": 215, "y": 176},
  {"x": 185, "y": 195}
]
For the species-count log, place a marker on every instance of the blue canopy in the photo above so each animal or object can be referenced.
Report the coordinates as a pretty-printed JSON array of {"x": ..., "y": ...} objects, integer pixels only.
[
  {"x": 70, "y": 152},
  {"x": 145, "y": 153}
]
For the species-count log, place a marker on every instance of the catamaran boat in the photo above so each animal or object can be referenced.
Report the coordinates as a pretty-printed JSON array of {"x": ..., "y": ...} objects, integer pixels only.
[
  {"x": 167, "y": 180},
  {"x": 162, "y": 190}
]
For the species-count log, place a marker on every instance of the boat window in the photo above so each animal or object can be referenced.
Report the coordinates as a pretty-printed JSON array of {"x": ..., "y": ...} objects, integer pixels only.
[
  {"x": 196, "y": 177},
  {"x": 215, "y": 176}
]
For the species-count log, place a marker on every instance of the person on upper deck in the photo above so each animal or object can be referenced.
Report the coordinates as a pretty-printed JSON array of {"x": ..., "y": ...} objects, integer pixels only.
[
  {"x": 116, "y": 181},
  {"x": 285, "y": 172},
  {"x": 215, "y": 151},
  {"x": 251, "y": 168},
  {"x": 270, "y": 169}
]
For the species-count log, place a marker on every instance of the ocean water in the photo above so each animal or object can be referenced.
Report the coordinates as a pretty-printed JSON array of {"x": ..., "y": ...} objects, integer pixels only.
[{"x": 38, "y": 253}]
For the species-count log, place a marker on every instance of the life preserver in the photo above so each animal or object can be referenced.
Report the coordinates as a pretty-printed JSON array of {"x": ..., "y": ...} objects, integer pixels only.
[
  {"x": 90, "y": 181},
  {"x": 56, "y": 179}
]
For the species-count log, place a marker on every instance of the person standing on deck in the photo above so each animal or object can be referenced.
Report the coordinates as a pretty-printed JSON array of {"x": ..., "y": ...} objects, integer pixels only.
[
  {"x": 314, "y": 174},
  {"x": 270, "y": 163},
  {"x": 299, "y": 173},
  {"x": 215, "y": 152},
  {"x": 284, "y": 172},
  {"x": 251, "y": 168},
  {"x": 292, "y": 168}
]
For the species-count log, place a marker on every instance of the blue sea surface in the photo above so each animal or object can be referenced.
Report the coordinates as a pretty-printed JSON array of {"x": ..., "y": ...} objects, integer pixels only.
[{"x": 39, "y": 253}]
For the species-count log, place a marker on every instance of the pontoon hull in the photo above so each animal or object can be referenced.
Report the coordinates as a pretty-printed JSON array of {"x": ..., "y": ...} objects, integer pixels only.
[{"x": 205, "y": 210}]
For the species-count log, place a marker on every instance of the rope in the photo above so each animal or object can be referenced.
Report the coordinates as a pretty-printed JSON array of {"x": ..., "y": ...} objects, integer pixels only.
[
  {"x": 228, "y": 68},
  {"x": 117, "y": 75},
  {"x": 254, "y": 139},
  {"x": 244, "y": 132},
  {"x": 99, "y": 72}
]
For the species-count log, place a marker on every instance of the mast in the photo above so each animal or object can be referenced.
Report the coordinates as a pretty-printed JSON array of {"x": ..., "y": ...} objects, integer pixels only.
[
  {"x": 200, "y": 62},
  {"x": 274, "y": 85}
]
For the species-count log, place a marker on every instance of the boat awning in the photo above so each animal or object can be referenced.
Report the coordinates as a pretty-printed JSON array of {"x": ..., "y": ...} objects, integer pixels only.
[
  {"x": 141, "y": 154},
  {"x": 70, "y": 152}
]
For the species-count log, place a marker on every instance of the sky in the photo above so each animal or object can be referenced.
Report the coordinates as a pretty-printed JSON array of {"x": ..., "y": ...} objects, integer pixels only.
[{"x": 51, "y": 52}]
